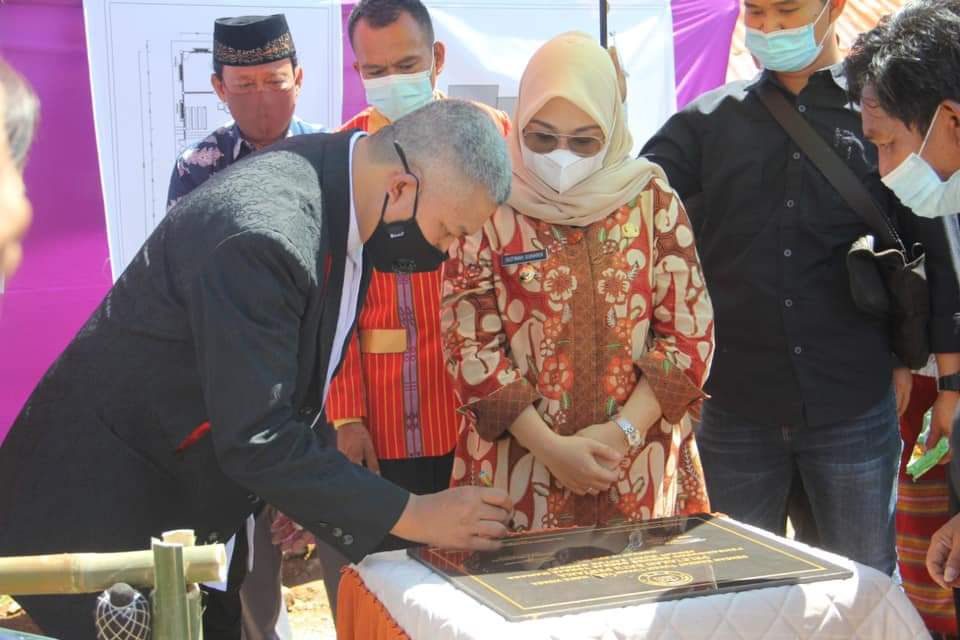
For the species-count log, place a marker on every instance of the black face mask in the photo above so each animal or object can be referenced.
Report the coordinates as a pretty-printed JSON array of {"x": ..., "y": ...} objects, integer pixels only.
[{"x": 399, "y": 247}]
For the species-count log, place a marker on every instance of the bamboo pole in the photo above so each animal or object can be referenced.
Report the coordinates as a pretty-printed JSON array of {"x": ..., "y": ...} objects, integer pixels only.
[
  {"x": 94, "y": 572},
  {"x": 195, "y": 611},
  {"x": 170, "y": 615},
  {"x": 194, "y": 597},
  {"x": 183, "y": 537},
  {"x": 604, "y": 10}
]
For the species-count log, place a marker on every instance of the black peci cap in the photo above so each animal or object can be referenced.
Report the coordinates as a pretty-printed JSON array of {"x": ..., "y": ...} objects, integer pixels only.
[{"x": 249, "y": 40}]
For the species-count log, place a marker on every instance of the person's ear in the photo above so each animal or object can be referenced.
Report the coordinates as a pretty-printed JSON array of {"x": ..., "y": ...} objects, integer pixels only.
[
  {"x": 297, "y": 82},
  {"x": 439, "y": 59},
  {"x": 217, "y": 84},
  {"x": 401, "y": 194},
  {"x": 950, "y": 112},
  {"x": 836, "y": 8}
]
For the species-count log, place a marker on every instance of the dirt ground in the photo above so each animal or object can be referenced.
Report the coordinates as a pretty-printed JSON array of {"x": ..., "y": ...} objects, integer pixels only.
[{"x": 307, "y": 606}]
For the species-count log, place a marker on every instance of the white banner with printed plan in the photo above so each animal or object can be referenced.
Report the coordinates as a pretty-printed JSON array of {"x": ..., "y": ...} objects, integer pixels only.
[
  {"x": 150, "y": 66},
  {"x": 490, "y": 41}
]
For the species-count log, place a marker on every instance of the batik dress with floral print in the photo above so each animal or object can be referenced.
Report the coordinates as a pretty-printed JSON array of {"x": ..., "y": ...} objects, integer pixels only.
[{"x": 568, "y": 319}]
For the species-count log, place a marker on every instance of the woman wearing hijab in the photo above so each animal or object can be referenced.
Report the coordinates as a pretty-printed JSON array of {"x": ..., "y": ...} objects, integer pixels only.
[{"x": 577, "y": 326}]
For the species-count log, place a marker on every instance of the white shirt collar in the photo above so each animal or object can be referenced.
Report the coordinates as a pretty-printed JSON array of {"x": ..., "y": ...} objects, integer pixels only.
[{"x": 354, "y": 243}]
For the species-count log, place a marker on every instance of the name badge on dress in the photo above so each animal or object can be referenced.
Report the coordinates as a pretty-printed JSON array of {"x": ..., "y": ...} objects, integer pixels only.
[
  {"x": 523, "y": 258},
  {"x": 527, "y": 272}
]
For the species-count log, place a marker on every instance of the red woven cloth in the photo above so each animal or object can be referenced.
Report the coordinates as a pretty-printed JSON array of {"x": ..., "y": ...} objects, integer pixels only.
[{"x": 922, "y": 508}]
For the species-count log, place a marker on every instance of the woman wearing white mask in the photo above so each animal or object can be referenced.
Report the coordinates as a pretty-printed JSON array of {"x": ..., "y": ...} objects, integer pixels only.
[{"x": 578, "y": 327}]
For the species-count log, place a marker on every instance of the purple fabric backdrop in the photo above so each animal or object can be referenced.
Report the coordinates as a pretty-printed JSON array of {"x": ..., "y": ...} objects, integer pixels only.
[
  {"x": 702, "y": 30},
  {"x": 64, "y": 273}
]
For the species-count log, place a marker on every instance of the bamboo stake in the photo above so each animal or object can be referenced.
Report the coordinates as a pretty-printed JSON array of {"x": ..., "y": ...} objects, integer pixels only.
[
  {"x": 94, "y": 572},
  {"x": 183, "y": 537},
  {"x": 194, "y": 598},
  {"x": 170, "y": 617},
  {"x": 195, "y": 611}
]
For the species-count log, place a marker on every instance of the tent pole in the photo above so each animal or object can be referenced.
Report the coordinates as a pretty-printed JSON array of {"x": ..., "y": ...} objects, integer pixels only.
[{"x": 604, "y": 8}]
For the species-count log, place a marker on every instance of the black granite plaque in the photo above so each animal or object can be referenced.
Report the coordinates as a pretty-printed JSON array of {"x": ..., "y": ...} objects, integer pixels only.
[{"x": 566, "y": 571}]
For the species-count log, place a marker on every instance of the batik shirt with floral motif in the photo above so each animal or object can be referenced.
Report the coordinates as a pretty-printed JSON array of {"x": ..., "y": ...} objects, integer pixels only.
[
  {"x": 568, "y": 319},
  {"x": 215, "y": 153}
]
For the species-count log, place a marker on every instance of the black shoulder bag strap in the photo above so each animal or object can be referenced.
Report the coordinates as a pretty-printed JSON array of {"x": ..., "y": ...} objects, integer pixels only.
[{"x": 835, "y": 170}]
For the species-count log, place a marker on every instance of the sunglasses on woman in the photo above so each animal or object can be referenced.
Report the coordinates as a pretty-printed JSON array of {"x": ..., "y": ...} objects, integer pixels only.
[{"x": 545, "y": 142}]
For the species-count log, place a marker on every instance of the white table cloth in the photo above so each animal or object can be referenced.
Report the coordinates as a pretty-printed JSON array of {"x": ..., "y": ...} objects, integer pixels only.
[{"x": 866, "y": 606}]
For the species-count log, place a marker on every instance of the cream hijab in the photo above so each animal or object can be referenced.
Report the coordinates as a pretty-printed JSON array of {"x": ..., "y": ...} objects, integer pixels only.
[{"x": 573, "y": 66}]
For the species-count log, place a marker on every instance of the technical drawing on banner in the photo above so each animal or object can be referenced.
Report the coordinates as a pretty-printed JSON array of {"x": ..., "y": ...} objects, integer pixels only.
[
  {"x": 197, "y": 108},
  {"x": 151, "y": 63}
]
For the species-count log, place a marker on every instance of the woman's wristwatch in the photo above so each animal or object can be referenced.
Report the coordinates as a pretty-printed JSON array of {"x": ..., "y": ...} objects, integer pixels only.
[{"x": 634, "y": 437}]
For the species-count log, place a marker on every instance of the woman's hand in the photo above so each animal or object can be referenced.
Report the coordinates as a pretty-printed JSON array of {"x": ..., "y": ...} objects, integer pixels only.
[
  {"x": 581, "y": 464},
  {"x": 607, "y": 433}
]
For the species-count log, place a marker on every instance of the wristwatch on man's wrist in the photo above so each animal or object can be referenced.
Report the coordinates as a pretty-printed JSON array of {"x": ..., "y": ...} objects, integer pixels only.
[
  {"x": 949, "y": 383},
  {"x": 634, "y": 437}
]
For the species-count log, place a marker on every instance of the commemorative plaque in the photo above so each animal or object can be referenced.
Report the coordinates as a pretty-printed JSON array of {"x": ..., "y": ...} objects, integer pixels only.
[{"x": 571, "y": 570}]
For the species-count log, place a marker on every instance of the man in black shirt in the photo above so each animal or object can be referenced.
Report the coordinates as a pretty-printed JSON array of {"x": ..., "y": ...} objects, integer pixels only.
[
  {"x": 906, "y": 75},
  {"x": 801, "y": 379}
]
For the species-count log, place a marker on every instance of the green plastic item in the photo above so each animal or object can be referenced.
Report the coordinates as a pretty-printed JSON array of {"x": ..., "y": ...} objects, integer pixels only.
[{"x": 920, "y": 461}]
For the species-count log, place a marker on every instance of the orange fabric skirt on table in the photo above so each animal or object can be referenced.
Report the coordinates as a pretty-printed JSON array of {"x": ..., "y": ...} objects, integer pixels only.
[{"x": 360, "y": 615}]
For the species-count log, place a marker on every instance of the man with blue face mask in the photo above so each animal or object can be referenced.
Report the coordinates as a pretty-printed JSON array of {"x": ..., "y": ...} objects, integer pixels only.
[
  {"x": 803, "y": 383},
  {"x": 905, "y": 74}
]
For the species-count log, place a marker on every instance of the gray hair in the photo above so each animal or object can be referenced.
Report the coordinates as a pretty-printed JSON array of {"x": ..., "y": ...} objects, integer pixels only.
[
  {"x": 20, "y": 112},
  {"x": 453, "y": 140}
]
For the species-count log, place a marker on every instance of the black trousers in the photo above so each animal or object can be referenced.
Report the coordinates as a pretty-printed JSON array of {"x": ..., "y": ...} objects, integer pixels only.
[{"x": 419, "y": 475}]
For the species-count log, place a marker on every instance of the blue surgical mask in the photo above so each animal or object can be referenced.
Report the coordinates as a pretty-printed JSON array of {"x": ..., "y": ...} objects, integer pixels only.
[
  {"x": 397, "y": 95},
  {"x": 919, "y": 187},
  {"x": 788, "y": 49}
]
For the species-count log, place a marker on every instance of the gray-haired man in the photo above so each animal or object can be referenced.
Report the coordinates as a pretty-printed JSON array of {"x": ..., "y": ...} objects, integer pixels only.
[{"x": 191, "y": 393}]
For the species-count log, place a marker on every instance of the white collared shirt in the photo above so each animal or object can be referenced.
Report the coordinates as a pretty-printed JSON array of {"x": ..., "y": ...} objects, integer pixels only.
[{"x": 352, "y": 274}]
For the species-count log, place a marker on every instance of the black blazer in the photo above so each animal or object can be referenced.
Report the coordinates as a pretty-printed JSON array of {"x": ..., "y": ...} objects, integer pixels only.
[{"x": 227, "y": 314}]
